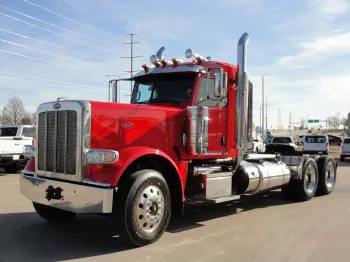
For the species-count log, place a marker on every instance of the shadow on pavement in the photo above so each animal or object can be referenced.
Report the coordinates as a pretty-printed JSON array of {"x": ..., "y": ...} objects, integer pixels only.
[
  {"x": 194, "y": 215},
  {"x": 26, "y": 237}
]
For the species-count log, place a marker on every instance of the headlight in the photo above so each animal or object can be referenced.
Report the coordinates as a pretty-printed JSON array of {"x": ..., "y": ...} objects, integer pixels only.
[
  {"x": 100, "y": 157},
  {"x": 29, "y": 151}
]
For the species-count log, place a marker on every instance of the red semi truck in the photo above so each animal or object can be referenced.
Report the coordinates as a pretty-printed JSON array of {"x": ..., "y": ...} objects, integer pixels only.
[{"x": 181, "y": 139}]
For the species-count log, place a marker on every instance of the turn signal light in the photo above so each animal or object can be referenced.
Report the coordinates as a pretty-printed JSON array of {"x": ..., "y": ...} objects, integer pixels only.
[{"x": 101, "y": 157}]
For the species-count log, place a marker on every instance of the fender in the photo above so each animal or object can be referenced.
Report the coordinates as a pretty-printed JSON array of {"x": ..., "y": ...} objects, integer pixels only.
[{"x": 130, "y": 154}]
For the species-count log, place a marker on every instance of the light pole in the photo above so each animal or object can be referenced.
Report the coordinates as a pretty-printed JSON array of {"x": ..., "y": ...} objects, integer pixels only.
[{"x": 263, "y": 105}]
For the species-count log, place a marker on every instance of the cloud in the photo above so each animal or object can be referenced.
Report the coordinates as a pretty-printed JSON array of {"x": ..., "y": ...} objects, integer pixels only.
[{"x": 334, "y": 8}]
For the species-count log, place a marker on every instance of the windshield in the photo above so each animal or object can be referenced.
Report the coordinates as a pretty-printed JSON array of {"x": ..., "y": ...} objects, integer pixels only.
[
  {"x": 315, "y": 139},
  {"x": 8, "y": 131},
  {"x": 282, "y": 140},
  {"x": 163, "y": 88}
]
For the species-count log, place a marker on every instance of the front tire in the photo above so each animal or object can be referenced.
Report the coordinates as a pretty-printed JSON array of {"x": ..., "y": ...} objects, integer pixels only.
[
  {"x": 13, "y": 169},
  {"x": 52, "y": 214},
  {"x": 143, "y": 207},
  {"x": 327, "y": 175}
]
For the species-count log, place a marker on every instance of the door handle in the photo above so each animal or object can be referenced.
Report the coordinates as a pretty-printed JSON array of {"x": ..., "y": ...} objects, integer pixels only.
[{"x": 16, "y": 144}]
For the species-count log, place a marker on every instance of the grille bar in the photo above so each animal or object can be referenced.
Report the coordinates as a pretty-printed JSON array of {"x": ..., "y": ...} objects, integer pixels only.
[{"x": 57, "y": 141}]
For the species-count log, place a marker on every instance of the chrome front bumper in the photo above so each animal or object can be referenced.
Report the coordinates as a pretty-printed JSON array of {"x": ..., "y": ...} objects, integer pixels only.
[{"x": 80, "y": 199}]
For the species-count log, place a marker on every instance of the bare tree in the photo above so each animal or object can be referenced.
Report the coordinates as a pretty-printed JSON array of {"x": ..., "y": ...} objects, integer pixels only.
[
  {"x": 14, "y": 111},
  {"x": 26, "y": 119}
]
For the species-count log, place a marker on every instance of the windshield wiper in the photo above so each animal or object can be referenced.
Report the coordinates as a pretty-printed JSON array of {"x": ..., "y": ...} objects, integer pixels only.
[{"x": 164, "y": 101}]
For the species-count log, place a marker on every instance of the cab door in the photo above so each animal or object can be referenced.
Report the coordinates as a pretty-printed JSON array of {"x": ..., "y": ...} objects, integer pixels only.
[{"x": 217, "y": 131}]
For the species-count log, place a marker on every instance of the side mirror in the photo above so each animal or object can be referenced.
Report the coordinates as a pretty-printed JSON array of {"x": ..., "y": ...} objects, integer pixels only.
[
  {"x": 220, "y": 83},
  {"x": 114, "y": 90}
]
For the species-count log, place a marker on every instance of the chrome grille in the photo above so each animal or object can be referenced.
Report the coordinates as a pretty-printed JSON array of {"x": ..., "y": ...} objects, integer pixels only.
[{"x": 57, "y": 141}]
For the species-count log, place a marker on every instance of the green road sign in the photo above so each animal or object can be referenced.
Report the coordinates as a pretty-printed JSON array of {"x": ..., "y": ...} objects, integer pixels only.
[{"x": 313, "y": 121}]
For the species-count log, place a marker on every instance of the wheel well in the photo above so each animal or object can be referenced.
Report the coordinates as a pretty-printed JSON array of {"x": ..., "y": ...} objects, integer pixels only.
[{"x": 168, "y": 171}]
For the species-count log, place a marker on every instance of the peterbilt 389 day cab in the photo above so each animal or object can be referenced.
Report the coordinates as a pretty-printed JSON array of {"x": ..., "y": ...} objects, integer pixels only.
[{"x": 181, "y": 139}]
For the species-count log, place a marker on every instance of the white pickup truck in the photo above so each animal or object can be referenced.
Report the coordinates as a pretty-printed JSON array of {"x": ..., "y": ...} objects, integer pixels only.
[
  {"x": 13, "y": 141},
  {"x": 256, "y": 145}
]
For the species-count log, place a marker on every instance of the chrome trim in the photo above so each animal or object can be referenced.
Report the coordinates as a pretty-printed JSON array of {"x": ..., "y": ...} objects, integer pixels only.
[
  {"x": 242, "y": 96},
  {"x": 197, "y": 129},
  {"x": 169, "y": 69},
  {"x": 80, "y": 199},
  {"x": 83, "y": 109},
  {"x": 96, "y": 183},
  {"x": 24, "y": 172}
]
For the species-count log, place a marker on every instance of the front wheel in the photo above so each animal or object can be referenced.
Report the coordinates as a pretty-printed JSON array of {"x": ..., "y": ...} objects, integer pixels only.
[
  {"x": 144, "y": 207},
  {"x": 52, "y": 214}
]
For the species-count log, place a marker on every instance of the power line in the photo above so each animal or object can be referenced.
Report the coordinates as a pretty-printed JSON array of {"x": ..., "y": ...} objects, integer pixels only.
[
  {"x": 83, "y": 8},
  {"x": 46, "y": 61},
  {"x": 14, "y": 18},
  {"x": 131, "y": 57},
  {"x": 75, "y": 21},
  {"x": 40, "y": 41},
  {"x": 50, "y": 80},
  {"x": 31, "y": 17},
  {"x": 12, "y": 43},
  {"x": 53, "y": 84}
]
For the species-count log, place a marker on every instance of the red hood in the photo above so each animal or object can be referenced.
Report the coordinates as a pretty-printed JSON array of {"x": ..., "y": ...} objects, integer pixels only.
[{"x": 116, "y": 126}]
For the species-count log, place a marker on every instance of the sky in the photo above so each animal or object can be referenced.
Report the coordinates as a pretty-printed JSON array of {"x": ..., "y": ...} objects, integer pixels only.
[{"x": 55, "y": 48}]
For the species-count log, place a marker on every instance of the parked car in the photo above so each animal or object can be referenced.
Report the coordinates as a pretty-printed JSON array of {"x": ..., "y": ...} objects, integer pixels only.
[
  {"x": 300, "y": 140},
  {"x": 282, "y": 145},
  {"x": 334, "y": 140},
  {"x": 316, "y": 144},
  {"x": 345, "y": 149},
  {"x": 256, "y": 145},
  {"x": 284, "y": 140},
  {"x": 13, "y": 140}
]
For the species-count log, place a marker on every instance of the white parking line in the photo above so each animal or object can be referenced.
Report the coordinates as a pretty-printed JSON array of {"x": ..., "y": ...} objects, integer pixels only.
[{"x": 11, "y": 183}]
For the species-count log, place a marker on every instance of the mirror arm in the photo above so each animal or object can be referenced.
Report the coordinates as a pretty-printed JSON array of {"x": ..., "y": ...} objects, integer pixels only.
[
  {"x": 221, "y": 83},
  {"x": 208, "y": 80}
]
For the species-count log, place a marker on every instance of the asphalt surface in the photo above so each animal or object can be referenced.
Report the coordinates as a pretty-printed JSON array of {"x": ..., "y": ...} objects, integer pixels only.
[{"x": 265, "y": 228}]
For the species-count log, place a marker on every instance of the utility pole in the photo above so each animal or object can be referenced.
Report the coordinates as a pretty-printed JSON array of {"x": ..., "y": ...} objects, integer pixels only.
[
  {"x": 266, "y": 114},
  {"x": 279, "y": 118},
  {"x": 131, "y": 57},
  {"x": 290, "y": 124},
  {"x": 263, "y": 107},
  {"x": 260, "y": 117}
]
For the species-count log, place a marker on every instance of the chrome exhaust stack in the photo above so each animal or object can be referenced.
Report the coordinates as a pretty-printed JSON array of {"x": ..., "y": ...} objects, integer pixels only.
[{"x": 242, "y": 97}]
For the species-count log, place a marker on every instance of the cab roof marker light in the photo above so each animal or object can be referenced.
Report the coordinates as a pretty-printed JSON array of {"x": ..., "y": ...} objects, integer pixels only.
[
  {"x": 146, "y": 68},
  {"x": 176, "y": 61},
  {"x": 166, "y": 62}
]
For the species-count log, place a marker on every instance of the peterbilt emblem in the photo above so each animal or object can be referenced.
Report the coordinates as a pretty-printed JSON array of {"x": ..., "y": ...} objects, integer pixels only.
[
  {"x": 127, "y": 125},
  {"x": 57, "y": 106}
]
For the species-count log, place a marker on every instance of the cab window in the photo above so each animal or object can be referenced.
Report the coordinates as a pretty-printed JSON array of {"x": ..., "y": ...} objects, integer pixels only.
[
  {"x": 202, "y": 98},
  {"x": 29, "y": 132}
]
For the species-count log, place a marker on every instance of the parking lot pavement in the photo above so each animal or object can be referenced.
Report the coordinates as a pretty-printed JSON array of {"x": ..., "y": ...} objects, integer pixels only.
[{"x": 264, "y": 228}]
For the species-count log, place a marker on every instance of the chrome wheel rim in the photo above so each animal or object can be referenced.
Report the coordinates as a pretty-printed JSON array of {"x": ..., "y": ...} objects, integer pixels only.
[
  {"x": 150, "y": 208},
  {"x": 310, "y": 179},
  {"x": 330, "y": 175}
]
